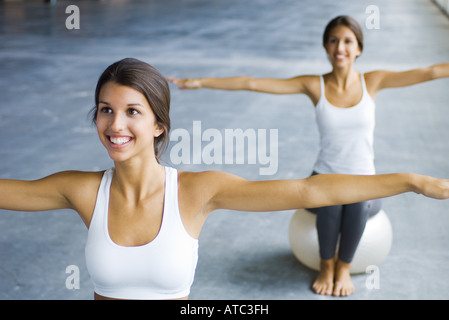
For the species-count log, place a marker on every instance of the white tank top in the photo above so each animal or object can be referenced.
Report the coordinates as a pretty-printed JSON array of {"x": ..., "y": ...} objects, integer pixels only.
[
  {"x": 161, "y": 269},
  {"x": 346, "y": 135}
]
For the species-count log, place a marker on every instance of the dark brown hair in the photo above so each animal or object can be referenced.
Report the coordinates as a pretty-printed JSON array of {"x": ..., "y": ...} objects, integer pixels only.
[
  {"x": 148, "y": 81},
  {"x": 347, "y": 22}
]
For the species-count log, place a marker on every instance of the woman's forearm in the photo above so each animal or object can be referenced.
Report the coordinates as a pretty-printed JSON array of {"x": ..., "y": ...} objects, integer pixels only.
[
  {"x": 231, "y": 83},
  {"x": 331, "y": 189}
]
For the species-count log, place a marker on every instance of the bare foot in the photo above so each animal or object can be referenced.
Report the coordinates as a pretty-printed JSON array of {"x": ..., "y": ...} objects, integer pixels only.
[
  {"x": 343, "y": 285},
  {"x": 324, "y": 283}
]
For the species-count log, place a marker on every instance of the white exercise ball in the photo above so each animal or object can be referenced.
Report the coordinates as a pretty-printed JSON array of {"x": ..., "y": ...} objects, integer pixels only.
[{"x": 373, "y": 248}]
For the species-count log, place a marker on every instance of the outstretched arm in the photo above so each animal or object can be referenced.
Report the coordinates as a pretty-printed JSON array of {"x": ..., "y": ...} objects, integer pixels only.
[
  {"x": 267, "y": 85},
  {"x": 320, "y": 190},
  {"x": 382, "y": 79},
  {"x": 38, "y": 195},
  {"x": 64, "y": 190}
]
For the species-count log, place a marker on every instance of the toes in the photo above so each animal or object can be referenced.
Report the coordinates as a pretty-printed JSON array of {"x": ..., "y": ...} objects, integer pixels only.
[
  {"x": 337, "y": 290},
  {"x": 322, "y": 289},
  {"x": 327, "y": 292},
  {"x": 340, "y": 290}
]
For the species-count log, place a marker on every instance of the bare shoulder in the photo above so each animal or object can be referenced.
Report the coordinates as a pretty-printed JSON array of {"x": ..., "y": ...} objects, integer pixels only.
[
  {"x": 77, "y": 180},
  {"x": 81, "y": 188},
  {"x": 198, "y": 189},
  {"x": 374, "y": 76},
  {"x": 373, "y": 81},
  {"x": 311, "y": 85},
  {"x": 195, "y": 193},
  {"x": 205, "y": 179},
  {"x": 204, "y": 182},
  {"x": 310, "y": 81}
]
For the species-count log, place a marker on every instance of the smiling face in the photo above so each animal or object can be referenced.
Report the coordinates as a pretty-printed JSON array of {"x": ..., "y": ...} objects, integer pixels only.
[
  {"x": 136, "y": 81},
  {"x": 126, "y": 124},
  {"x": 342, "y": 46}
]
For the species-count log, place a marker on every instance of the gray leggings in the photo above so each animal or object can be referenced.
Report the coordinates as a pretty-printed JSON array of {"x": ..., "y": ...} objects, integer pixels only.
[{"x": 348, "y": 221}]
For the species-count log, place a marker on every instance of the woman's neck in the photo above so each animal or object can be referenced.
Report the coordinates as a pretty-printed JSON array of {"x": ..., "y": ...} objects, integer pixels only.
[
  {"x": 343, "y": 77},
  {"x": 138, "y": 180}
]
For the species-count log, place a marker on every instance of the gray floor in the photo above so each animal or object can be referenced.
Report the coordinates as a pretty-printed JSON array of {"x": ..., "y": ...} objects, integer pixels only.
[{"x": 47, "y": 79}]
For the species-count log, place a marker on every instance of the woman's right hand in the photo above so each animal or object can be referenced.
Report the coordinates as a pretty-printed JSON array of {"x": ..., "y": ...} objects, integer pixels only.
[
  {"x": 431, "y": 187},
  {"x": 186, "y": 83}
]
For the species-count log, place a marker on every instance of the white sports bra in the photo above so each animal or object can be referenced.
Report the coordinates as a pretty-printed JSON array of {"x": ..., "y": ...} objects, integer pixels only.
[{"x": 161, "y": 269}]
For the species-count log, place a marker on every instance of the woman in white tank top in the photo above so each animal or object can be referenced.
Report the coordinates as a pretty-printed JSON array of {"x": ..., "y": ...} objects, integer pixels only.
[
  {"x": 144, "y": 219},
  {"x": 344, "y": 105}
]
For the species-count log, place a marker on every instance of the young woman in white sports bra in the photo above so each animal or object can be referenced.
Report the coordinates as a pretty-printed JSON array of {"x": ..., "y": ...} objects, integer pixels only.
[
  {"x": 344, "y": 105},
  {"x": 144, "y": 219}
]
